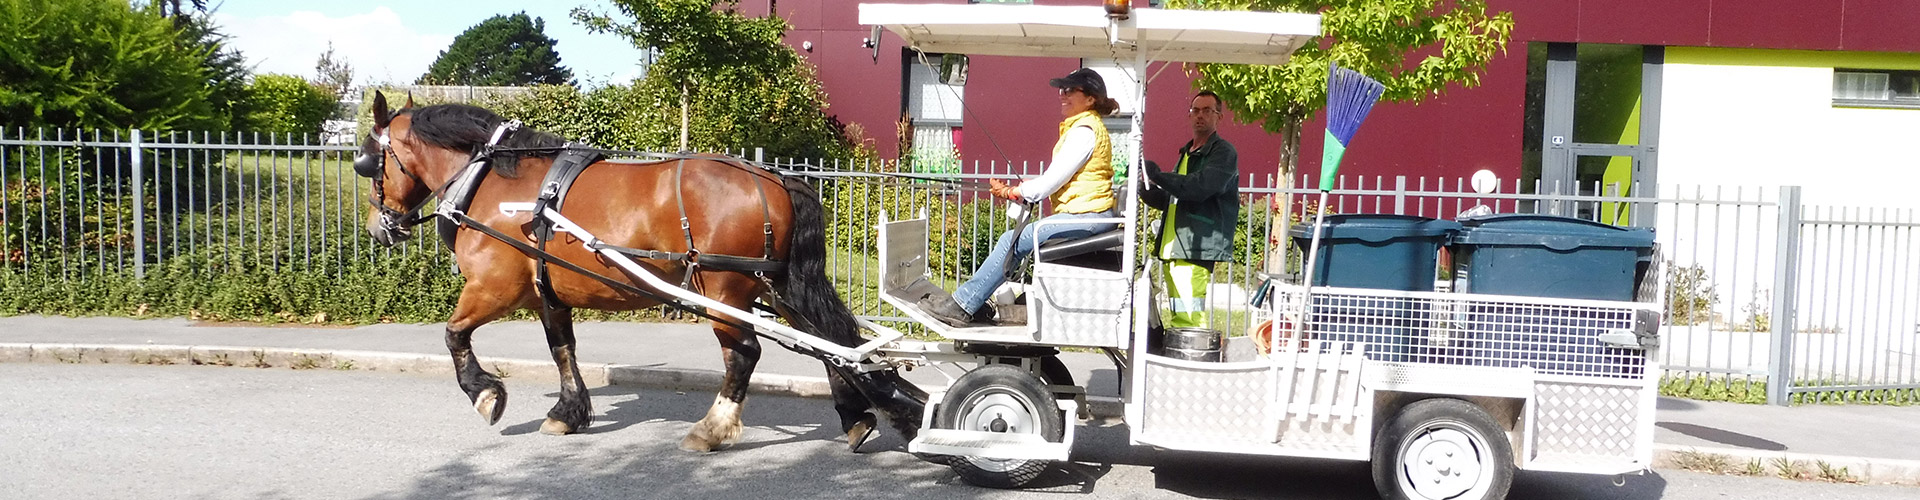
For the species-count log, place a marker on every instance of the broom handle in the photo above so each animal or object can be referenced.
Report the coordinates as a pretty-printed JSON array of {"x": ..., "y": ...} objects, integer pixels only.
[{"x": 1313, "y": 258}]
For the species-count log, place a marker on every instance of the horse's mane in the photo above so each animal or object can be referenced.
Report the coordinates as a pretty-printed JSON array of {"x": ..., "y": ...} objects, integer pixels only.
[{"x": 467, "y": 128}]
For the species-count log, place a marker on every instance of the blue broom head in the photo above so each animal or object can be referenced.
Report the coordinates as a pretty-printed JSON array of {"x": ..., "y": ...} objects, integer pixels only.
[{"x": 1350, "y": 95}]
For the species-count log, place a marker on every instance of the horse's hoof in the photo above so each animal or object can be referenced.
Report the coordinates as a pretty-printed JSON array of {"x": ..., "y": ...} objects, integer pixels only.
[
  {"x": 861, "y": 432},
  {"x": 491, "y": 404},
  {"x": 556, "y": 428},
  {"x": 695, "y": 444}
]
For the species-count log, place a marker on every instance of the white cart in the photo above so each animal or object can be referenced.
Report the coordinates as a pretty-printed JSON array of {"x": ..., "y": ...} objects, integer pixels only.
[{"x": 1447, "y": 394}]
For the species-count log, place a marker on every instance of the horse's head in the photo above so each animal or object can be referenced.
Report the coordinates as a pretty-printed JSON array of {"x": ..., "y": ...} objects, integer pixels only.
[{"x": 392, "y": 157}]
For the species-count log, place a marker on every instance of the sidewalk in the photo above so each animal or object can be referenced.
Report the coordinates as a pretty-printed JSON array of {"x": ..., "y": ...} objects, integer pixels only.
[{"x": 1863, "y": 436}]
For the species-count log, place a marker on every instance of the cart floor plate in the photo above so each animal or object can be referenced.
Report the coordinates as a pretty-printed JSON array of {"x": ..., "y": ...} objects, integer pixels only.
[{"x": 988, "y": 445}]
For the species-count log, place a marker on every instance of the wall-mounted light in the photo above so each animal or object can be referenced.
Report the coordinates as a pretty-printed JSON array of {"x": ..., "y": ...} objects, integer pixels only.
[
  {"x": 1119, "y": 10},
  {"x": 807, "y": 46}
]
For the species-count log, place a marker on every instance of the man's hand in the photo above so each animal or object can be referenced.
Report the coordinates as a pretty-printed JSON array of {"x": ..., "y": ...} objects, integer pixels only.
[{"x": 1003, "y": 190}]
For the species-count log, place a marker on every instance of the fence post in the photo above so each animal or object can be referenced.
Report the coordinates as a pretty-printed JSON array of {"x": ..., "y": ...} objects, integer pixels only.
[
  {"x": 1786, "y": 281},
  {"x": 139, "y": 209},
  {"x": 759, "y": 155},
  {"x": 1400, "y": 195}
]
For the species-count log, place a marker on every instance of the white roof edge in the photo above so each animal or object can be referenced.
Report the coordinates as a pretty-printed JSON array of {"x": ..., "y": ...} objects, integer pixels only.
[{"x": 1083, "y": 31}]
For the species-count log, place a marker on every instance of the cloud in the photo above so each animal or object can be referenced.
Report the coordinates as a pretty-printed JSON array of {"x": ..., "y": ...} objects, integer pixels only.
[{"x": 379, "y": 46}]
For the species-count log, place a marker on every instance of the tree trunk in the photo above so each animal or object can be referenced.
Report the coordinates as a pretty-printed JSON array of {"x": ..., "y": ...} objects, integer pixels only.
[{"x": 1289, "y": 164}]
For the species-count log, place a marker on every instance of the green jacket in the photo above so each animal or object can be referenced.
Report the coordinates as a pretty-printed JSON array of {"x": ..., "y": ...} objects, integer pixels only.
[{"x": 1206, "y": 200}]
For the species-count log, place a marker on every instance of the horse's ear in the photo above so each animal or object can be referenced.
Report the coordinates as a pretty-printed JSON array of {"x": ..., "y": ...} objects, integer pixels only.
[
  {"x": 409, "y": 100},
  {"x": 381, "y": 116}
]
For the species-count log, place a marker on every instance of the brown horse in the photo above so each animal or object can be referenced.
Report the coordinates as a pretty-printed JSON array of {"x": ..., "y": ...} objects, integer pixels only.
[{"x": 412, "y": 152}]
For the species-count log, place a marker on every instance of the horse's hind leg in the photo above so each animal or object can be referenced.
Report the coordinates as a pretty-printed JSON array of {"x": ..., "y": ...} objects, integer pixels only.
[
  {"x": 741, "y": 352},
  {"x": 856, "y": 421},
  {"x": 571, "y": 414}
]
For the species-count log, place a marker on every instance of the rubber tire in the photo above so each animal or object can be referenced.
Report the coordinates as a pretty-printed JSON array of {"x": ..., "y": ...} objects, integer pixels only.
[
  {"x": 1496, "y": 453},
  {"x": 1055, "y": 372},
  {"x": 1000, "y": 380}
]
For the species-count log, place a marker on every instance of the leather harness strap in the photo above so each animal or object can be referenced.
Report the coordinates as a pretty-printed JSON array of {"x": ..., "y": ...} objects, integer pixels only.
[{"x": 567, "y": 167}]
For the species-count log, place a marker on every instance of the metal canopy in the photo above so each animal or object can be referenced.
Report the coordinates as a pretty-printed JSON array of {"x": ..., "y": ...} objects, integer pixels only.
[{"x": 1085, "y": 32}]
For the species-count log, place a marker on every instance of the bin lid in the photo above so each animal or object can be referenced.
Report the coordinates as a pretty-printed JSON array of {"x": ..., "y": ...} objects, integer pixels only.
[
  {"x": 1376, "y": 228},
  {"x": 1551, "y": 231}
]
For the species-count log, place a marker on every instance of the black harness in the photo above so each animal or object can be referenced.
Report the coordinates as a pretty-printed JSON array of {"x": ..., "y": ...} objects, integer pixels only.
[{"x": 456, "y": 195}]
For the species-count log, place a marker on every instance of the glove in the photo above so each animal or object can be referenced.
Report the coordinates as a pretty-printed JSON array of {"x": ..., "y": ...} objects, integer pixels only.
[{"x": 1003, "y": 190}]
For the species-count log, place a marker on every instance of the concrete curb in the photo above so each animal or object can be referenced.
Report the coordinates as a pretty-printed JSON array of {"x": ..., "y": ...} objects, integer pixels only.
[
  {"x": 1665, "y": 456},
  {"x": 1861, "y": 469},
  {"x": 595, "y": 374}
]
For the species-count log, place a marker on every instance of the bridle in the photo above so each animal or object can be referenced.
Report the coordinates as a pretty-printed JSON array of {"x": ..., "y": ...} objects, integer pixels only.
[{"x": 376, "y": 168}]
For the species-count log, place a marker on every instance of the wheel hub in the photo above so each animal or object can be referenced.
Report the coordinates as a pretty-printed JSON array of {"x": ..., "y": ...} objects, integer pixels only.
[
  {"x": 1443, "y": 463},
  {"x": 1004, "y": 413}
]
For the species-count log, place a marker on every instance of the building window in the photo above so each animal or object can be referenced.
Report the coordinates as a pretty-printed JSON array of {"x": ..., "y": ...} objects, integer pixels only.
[
  {"x": 1863, "y": 88},
  {"x": 936, "y": 110}
]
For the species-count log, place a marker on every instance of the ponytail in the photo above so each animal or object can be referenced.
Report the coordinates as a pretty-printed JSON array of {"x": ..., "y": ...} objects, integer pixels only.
[{"x": 1106, "y": 106}]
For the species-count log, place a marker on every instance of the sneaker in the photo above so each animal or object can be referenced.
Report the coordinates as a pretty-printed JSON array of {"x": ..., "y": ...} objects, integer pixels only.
[{"x": 946, "y": 310}]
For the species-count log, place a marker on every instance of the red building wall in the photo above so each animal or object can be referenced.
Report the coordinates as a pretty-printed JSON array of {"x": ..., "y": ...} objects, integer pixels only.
[{"x": 1453, "y": 135}]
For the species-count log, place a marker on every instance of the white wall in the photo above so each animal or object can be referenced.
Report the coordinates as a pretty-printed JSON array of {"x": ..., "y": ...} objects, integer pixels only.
[
  {"x": 1758, "y": 120},
  {"x": 1746, "y": 123}
]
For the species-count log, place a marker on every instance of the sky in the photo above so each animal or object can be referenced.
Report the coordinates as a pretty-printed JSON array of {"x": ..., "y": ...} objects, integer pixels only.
[{"x": 394, "y": 41}]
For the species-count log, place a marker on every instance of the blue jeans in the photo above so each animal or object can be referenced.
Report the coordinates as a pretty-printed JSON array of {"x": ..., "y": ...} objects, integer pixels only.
[{"x": 993, "y": 270}]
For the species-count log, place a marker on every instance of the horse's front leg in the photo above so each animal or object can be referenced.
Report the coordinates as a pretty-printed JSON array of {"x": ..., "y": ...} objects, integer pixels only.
[
  {"x": 477, "y": 306},
  {"x": 572, "y": 413},
  {"x": 740, "y": 350}
]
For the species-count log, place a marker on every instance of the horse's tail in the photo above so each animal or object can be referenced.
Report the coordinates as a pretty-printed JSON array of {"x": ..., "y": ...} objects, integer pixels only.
[{"x": 807, "y": 290}]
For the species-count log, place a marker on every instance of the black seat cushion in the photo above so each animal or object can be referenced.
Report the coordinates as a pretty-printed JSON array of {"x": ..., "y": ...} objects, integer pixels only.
[{"x": 1056, "y": 249}]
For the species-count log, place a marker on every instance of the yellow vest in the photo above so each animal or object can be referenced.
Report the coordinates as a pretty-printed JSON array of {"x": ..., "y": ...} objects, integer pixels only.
[{"x": 1091, "y": 189}]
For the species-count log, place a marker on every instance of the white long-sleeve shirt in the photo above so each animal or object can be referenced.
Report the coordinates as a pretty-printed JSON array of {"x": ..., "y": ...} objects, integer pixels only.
[{"x": 1074, "y": 149}]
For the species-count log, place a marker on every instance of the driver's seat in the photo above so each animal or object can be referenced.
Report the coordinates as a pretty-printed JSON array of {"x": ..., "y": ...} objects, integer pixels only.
[{"x": 1095, "y": 252}]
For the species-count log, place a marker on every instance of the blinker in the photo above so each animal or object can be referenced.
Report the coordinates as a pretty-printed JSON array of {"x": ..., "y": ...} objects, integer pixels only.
[{"x": 366, "y": 166}]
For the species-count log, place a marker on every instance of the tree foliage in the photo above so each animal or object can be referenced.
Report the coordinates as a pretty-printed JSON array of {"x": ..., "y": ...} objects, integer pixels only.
[
  {"x": 502, "y": 50},
  {"x": 1416, "y": 48},
  {"x": 100, "y": 64},
  {"x": 744, "y": 86},
  {"x": 225, "y": 68},
  {"x": 694, "y": 39},
  {"x": 335, "y": 75},
  {"x": 287, "y": 104}
]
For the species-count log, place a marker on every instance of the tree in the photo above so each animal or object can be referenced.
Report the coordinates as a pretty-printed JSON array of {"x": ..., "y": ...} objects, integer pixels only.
[
  {"x": 737, "y": 83},
  {"x": 1374, "y": 37},
  {"x": 502, "y": 50},
  {"x": 99, "y": 64},
  {"x": 225, "y": 68},
  {"x": 333, "y": 74},
  {"x": 287, "y": 104}
]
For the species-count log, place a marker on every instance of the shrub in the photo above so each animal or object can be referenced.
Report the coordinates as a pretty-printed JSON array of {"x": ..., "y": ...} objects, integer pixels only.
[
  {"x": 286, "y": 104},
  {"x": 1690, "y": 295}
]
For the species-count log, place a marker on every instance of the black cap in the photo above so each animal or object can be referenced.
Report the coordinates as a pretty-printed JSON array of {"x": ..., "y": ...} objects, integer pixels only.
[{"x": 1084, "y": 79}]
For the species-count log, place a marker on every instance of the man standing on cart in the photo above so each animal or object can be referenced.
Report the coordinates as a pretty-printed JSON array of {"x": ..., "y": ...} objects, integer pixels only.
[{"x": 1201, "y": 198}]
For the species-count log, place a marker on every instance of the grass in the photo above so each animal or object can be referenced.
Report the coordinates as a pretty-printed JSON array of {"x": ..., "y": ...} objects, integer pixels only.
[
  {"x": 1709, "y": 463},
  {"x": 1781, "y": 467},
  {"x": 1785, "y": 468},
  {"x": 1831, "y": 473},
  {"x": 1747, "y": 391},
  {"x": 1711, "y": 388}
]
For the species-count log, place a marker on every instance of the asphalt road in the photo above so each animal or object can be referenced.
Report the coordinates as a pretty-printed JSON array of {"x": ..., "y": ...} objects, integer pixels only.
[{"x": 130, "y": 431}]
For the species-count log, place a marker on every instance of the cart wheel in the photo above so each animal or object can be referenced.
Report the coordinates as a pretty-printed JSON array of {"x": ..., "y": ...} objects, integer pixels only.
[
  {"x": 1055, "y": 372},
  {"x": 1000, "y": 398},
  {"x": 1442, "y": 448}
]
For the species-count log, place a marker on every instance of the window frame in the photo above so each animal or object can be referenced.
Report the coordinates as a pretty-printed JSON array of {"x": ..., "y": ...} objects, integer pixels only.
[{"x": 1893, "y": 101}]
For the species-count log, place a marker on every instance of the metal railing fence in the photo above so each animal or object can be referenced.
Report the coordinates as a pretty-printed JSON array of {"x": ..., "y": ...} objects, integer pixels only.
[{"x": 1761, "y": 293}]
